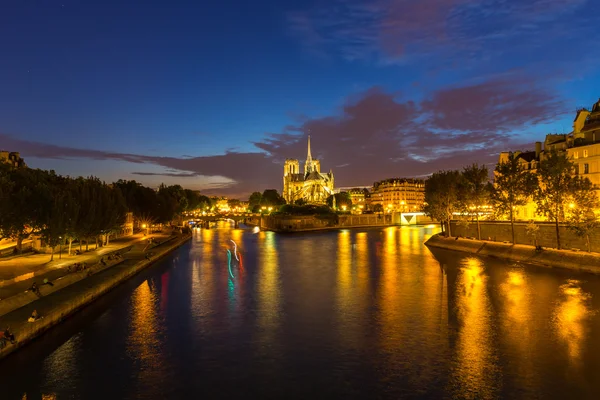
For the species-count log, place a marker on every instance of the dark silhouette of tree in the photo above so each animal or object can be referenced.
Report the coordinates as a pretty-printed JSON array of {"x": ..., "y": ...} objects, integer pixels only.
[
  {"x": 513, "y": 187},
  {"x": 581, "y": 218},
  {"x": 442, "y": 197},
  {"x": 254, "y": 200},
  {"x": 24, "y": 202},
  {"x": 271, "y": 198},
  {"x": 341, "y": 199},
  {"x": 556, "y": 188},
  {"x": 474, "y": 191}
]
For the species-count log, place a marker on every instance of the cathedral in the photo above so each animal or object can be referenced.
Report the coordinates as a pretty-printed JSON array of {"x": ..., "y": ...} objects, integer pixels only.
[{"x": 311, "y": 186}]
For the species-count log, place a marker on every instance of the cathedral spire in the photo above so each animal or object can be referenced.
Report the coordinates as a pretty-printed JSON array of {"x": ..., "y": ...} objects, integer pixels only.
[{"x": 309, "y": 161}]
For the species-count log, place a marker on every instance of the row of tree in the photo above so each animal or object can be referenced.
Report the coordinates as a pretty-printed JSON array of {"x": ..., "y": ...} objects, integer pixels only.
[
  {"x": 63, "y": 209},
  {"x": 560, "y": 194}
]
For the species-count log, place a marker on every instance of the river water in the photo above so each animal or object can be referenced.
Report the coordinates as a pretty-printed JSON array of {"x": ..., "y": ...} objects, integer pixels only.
[{"x": 341, "y": 314}]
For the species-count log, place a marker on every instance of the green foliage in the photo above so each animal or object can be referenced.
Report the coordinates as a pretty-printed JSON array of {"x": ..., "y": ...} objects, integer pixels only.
[
  {"x": 254, "y": 200},
  {"x": 271, "y": 198},
  {"x": 378, "y": 208},
  {"x": 300, "y": 202},
  {"x": 513, "y": 187},
  {"x": 556, "y": 188},
  {"x": 442, "y": 196},
  {"x": 25, "y": 202},
  {"x": 580, "y": 215},
  {"x": 474, "y": 191},
  {"x": 341, "y": 199}
]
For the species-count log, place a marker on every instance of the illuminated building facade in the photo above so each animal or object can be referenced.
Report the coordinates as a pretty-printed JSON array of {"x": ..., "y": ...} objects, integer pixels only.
[
  {"x": 582, "y": 146},
  {"x": 12, "y": 158},
  {"x": 399, "y": 194},
  {"x": 312, "y": 186}
]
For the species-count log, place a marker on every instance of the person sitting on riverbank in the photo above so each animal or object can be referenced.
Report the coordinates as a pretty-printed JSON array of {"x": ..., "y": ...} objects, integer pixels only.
[
  {"x": 8, "y": 335},
  {"x": 34, "y": 316},
  {"x": 47, "y": 282},
  {"x": 104, "y": 262},
  {"x": 35, "y": 289}
]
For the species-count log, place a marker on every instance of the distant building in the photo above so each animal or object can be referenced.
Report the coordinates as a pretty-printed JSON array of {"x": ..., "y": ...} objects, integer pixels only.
[
  {"x": 13, "y": 158},
  {"x": 582, "y": 146},
  {"x": 311, "y": 186},
  {"x": 399, "y": 194}
]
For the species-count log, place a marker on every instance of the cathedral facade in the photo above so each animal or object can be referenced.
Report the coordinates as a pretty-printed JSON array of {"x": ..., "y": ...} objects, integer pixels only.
[{"x": 311, "y": 186}]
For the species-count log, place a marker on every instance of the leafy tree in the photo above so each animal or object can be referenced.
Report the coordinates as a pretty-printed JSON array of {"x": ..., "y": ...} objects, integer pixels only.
[
  {"x": 378, "y": 208},
  {"x": 25, "y": 202},
  {"x": 63, "y": 212},
  {"x": 474, "y": 191},
  {"x": 300, "y": 202},
  {"x": 533, "y": 230},
  {"x": 581, "y": 218},
  {"x": 255, "y": 199},
  {"x": 271, "y": 198},
  {"x": 341, "y": 199},
  {"x": 513, "y": 186},
  {"x": 555, "y": 189},
  {"x": 442, "y": 197}
]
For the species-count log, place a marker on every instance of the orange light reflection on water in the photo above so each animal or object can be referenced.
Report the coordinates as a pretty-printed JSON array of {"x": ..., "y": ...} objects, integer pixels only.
[{"x": 475, "y": 367}]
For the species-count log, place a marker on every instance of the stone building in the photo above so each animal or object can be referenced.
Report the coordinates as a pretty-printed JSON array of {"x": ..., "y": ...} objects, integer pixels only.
[
  {"x": 13, "y": 158},
  {"x": 399, "y": 194},
  {"x": 312, "y": 186},
  {"x": 582, "y": 146}
]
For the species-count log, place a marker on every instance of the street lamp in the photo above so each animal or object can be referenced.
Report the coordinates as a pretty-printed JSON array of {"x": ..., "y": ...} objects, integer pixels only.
[{"x": 60, "y": 251}]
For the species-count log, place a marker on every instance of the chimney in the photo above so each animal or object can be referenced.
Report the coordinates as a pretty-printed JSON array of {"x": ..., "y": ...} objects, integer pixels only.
[{"x": 538, "y": 150}]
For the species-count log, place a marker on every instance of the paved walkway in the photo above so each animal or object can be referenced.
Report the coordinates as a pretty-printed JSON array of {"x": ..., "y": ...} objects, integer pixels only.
[{"x": 18, "y": 273}]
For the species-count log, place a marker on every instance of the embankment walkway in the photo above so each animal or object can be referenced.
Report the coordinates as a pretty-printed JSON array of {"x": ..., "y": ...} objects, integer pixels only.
[
  {"x": 575, "y": 260},
  {"x": 59, "y": 304}
]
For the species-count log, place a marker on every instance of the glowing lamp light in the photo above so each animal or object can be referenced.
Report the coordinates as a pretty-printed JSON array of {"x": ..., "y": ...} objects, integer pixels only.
[
  {"x": 344, "y": 207},
  {"x": 144, "y": 226},
  {"x": 571, "y": 205}
]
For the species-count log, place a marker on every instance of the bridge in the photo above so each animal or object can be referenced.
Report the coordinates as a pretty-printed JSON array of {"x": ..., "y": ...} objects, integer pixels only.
[
  {"x": 205, "y": 220},
  {"x": 410, "y": 218}
]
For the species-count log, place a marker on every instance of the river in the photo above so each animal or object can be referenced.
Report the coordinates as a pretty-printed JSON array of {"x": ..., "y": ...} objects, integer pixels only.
[{"x": 341, "y": 314}]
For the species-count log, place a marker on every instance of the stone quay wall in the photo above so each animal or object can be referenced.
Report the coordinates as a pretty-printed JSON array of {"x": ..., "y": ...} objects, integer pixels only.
[
  {"x": 499, "y": 231},
  {"x": 580, "y": 261},
  {"x": 57, "y": 306},
  {"x": 303, "y": 223}
]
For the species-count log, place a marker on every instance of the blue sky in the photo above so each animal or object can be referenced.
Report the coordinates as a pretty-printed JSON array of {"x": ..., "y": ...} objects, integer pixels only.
[{"x": 215, "y": 95}]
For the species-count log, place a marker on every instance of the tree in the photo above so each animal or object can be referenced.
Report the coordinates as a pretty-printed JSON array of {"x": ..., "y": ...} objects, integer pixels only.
[
  {"x": 63, "y": 212},
  {"x": 25, "y": 202},
  {"x": 341, "y": 199},
  {"x": 441, "y": 197},
  {"x": 271, "y": 198},
  {"x": 555, "y": 188},
  {"x": 513, "y": 186},
  {"x": 378, "y": 208},
  {"x": 254, "y": 200},
  {"x": 300, "y": 202},
  {"x": 581, "y": 218},
  {"x": 474, "y": 193}
]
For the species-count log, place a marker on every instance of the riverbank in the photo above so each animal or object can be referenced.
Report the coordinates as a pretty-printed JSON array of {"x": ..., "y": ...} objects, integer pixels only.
[
  {"x": 580, "y": 261},
  {"x": 57, "y": 306},
  {"x": 313, "y": 223}
]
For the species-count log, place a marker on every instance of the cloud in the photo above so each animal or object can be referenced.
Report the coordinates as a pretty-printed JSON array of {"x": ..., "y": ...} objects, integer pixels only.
[
  {"x": 463, "y": 33},
  {"x": 171, "y": 174},
  {"x": 376, "y": 135}
]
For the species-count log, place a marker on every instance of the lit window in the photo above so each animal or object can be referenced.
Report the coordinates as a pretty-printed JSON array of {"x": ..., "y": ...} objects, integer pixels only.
[
  {"x": 585, "y": 153},
  {"x": 576, "y": 155},
  {"x": 586, "y": 168}
]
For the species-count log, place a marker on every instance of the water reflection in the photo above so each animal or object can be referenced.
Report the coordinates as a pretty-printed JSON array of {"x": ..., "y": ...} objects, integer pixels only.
[
  {"x": 143, "y": 344},
  {"x": 475, "y": 364},
  {"x": 572, "y": 311},
  {"x": 269, "y": 292}
]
